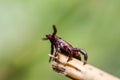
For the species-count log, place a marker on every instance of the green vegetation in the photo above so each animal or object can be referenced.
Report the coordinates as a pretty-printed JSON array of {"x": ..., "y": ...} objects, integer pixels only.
[{"x": 91, "y": 25}]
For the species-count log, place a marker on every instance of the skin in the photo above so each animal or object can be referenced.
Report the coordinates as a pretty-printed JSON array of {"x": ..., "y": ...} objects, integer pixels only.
[{"x": 62, "y": 46}]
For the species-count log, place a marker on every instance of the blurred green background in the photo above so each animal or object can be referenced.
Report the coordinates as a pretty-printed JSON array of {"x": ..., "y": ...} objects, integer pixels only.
[{"x": 93, "y": 25}]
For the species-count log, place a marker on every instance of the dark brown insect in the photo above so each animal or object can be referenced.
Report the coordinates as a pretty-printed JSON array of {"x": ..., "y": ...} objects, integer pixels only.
[{"x": 64, "y": 47}]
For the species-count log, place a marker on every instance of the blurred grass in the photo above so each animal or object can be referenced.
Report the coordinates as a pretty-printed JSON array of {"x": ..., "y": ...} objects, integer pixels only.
[{"x": 91, "y": 25}]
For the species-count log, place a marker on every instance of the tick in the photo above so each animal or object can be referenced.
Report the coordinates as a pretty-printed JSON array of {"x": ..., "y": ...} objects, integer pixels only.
[{"x": 62, "y": 46}]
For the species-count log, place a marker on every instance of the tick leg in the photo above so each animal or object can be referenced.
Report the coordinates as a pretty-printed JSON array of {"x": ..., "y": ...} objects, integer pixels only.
[
  {"x": 68, "y": 52},
  {"x": 54, "y": 30},
  {"x": 52, "y": 50},
  {"x": 83, "y": 53},
  {"x": 70, "y": 55},
  {"x": 75, "y": 54},
  {"x": 57, "y": 50},
  {"x": 56, "y": 53}
]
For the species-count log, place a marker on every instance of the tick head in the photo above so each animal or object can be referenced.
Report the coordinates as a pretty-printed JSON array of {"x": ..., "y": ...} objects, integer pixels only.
[
  {"x": 51, "y": 36},
  {"x": 48, "y": 37}
]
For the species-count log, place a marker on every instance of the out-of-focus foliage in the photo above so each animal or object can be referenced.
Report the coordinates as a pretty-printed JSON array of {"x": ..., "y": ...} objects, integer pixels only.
[{"x": 92, "y": 25}]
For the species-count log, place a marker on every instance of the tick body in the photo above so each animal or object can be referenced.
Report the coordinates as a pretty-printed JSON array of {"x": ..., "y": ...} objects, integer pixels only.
[{"x": 62, "y": 46}]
